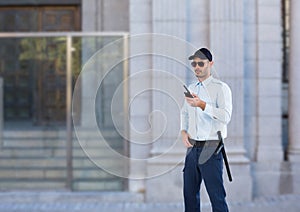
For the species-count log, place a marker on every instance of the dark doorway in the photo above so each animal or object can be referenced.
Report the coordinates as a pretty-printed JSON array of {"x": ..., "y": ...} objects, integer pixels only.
[{"x": 33, "y": 69}]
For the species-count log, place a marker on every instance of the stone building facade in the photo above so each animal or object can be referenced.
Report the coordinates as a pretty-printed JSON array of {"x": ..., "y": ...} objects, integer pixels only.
[
  {"x": 247, "y": 40},
  {"x": 255, "y": 47}
]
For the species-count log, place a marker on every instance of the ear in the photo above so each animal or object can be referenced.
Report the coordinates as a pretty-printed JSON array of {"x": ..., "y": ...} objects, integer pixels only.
[{"x": 211, "y": 63}]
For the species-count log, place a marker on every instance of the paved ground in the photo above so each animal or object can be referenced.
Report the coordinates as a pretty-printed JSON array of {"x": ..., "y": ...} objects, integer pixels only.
[{"x": 106, "y": 202}]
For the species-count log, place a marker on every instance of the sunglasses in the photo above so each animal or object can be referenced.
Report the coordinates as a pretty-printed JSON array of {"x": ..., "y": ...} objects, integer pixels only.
[{"x": 200, "y": 64}]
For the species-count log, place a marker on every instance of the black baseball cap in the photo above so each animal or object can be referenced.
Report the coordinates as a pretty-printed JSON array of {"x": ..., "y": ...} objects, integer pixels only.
[{"x": 202, "y": 53}]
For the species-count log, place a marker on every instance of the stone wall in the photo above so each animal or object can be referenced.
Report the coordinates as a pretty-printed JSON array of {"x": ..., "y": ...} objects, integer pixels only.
[
  {"x": 105, "y": 15},
  {"x": 246, "y": 40}
]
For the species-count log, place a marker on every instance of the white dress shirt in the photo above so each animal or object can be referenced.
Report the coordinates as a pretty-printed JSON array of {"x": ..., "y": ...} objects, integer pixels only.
[{"x": 203, "y": 125}]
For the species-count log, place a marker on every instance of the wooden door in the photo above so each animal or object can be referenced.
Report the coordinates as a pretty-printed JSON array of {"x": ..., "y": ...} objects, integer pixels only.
[{"x": 34, "y": 87}]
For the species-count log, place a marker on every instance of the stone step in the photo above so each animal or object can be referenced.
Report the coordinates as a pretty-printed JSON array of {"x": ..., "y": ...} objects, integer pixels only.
[
  {"x": 55, "y": 132},
  {"x": 96, "y": 185},
  {"x": 54, "y": 172},
  {"x": 36, "y": 159},
  {"x": 58, "y": 135},
  {"x": 84, "y": 179},
  {"x": 60, "y": 183},
  {"x": 32, "y": 185},
  {"x": 58, "y": 162},
  {"x": 59, "y": 142},
  {"x": 15, "y": 152},
  {"x": 64, "y": 196}
]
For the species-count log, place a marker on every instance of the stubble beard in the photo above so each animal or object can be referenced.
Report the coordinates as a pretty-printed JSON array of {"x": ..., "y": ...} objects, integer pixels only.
[{"x": 201, "y": 75}]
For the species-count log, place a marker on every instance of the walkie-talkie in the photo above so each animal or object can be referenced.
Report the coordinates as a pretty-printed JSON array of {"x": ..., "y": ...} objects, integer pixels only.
[{"x": 187, "y": 93}]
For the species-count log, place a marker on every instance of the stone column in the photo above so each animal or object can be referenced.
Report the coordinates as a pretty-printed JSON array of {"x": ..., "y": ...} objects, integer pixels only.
[
  {"x": 227, "y": 46},
  {"x": 105, "y": 15},
  {"x": 269, "y": 82},
  {"x": 269, "y": 153},
  {"x": 140, "y": 78},
  {"x": 91, "y": 15},
  {"x": 168, "y": 75},
  {"x": 250, "y": 78},
  {"x": 294, "y": 96},
  {"x": 294, "y": 85}
]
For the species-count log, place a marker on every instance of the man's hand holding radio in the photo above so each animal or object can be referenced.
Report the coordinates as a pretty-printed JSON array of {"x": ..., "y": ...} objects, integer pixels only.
[{"x": 196, "y": 101}]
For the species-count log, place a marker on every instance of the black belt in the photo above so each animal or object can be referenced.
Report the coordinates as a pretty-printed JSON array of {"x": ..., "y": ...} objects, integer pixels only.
[
  {"x": 197, "y": 143},
  {"x": 201, "y": 143}
]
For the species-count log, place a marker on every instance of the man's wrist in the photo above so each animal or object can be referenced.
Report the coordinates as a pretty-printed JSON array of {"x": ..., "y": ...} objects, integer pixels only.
[{"x": 202, "y": 104}]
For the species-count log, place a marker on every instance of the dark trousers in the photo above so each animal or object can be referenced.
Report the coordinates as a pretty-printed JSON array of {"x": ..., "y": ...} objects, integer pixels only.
[{"x": 211, "y": 173}]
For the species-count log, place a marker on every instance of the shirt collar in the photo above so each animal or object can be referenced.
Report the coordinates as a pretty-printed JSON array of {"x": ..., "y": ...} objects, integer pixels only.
[{"x": 206, "y": 81}]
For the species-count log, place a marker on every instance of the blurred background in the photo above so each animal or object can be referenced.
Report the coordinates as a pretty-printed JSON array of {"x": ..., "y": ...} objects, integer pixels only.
[{"x": 60, "y": 60}]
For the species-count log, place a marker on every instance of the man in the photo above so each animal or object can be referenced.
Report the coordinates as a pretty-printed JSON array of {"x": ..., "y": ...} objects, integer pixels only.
[{"x": 202, "y": 116}]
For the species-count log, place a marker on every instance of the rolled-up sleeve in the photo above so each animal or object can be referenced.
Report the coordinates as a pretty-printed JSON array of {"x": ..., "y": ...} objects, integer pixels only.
[{"x": 222, "y": 111}]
